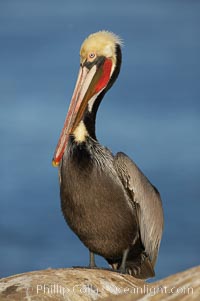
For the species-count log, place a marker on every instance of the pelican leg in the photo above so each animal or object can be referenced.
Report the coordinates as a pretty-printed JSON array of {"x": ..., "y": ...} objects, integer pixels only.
[
  {"x": 122, "y": 267},
  {"x": 92, "y": 263}
]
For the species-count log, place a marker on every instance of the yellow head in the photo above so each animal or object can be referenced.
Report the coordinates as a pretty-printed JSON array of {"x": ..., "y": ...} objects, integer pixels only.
[
  {"x": 101, "y": 43},
  {"x": 100, "y": 65}
]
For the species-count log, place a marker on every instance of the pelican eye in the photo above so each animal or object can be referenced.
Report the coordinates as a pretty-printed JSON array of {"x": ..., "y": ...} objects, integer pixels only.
[{"x": 91, "y": 56}]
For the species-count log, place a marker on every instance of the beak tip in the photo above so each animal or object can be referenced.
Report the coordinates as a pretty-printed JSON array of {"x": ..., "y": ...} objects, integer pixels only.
[{"x": 54, "y": 163}]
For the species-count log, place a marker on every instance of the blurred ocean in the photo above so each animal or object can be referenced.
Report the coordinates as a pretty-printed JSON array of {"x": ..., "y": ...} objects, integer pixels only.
[{"x": 151, "y": 113}]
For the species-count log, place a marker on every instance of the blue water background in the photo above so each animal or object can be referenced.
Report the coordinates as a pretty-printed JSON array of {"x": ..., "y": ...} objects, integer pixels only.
[{"x": 151, "y": 113}]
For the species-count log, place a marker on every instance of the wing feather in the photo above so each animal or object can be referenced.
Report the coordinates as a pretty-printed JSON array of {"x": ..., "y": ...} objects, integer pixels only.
[{"x": 147, "y": 200}]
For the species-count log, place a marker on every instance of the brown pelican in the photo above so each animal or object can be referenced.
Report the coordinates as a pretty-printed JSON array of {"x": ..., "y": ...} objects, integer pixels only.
[{"x": 106, "y": 199}]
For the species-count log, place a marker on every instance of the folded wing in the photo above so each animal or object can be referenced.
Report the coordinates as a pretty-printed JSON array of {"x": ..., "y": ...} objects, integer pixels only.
[{"x": 147, "y": 201}]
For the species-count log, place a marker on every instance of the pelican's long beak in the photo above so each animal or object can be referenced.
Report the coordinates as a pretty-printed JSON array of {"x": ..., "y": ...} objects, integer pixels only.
[{"x": 92, "y": 79}]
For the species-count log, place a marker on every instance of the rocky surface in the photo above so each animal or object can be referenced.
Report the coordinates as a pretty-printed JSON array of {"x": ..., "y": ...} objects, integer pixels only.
[{"x": 75, "y": 284}]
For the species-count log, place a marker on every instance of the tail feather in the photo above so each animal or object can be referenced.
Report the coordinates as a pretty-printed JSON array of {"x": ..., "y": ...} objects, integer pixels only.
[{"x": 139, "y": 267}]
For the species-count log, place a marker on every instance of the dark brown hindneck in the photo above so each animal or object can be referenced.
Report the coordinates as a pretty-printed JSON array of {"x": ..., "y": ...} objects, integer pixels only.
[{"x": 90, "y": 117}]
